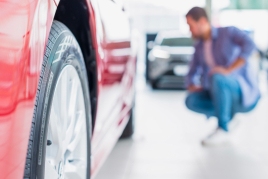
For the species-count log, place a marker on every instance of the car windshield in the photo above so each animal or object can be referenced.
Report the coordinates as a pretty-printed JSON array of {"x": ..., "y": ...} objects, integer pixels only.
[{"x": 177, "y": 42}]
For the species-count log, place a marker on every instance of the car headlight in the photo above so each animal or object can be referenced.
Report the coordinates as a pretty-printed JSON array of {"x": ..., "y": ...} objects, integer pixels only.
[{"x": 157, "y": 53}]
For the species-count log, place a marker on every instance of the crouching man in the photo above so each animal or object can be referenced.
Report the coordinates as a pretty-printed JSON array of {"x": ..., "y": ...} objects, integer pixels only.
[{"x": 220, "y": 81}]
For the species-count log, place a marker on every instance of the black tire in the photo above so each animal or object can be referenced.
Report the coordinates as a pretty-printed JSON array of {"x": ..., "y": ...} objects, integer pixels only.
[
  {"x": 53, "y": 64},
  {"x": 130, "y": 127},
  {"x": 154, "y": 84}
]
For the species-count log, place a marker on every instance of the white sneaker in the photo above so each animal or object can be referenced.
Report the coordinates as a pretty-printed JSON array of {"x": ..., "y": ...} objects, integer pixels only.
[{"x": 218, "y": 138}]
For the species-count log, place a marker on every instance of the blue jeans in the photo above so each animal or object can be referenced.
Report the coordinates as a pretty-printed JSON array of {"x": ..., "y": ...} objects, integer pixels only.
[{"x": 222, "y": 100}]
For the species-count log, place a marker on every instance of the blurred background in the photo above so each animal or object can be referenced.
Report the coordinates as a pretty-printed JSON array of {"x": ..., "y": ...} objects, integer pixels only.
[{"x": 166, "y": 143}]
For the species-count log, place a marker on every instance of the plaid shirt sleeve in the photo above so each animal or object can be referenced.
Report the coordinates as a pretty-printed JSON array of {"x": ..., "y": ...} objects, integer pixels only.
[{"x": 243, "y": 40}]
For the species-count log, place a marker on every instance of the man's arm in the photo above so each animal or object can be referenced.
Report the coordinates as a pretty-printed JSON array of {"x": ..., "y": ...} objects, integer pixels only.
[
  {"x": 247, "y": 46},
  {"x": 243, "y": 40},
  {"x": 225, "y": 71}
]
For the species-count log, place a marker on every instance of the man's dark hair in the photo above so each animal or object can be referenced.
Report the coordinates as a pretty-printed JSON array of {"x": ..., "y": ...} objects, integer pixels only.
[{"x": 196, "y": 13}]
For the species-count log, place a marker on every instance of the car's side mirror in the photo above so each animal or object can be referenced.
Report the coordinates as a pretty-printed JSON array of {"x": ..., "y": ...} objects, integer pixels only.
[
  {"x": 150, "y": 45},
  {"x": 266, "y": 54}
]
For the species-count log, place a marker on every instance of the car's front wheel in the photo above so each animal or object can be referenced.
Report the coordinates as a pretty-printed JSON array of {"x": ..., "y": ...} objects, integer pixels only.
[{"x": 59, "y": 145}]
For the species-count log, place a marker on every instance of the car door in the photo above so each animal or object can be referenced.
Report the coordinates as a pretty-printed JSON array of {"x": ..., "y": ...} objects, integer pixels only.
[{"x": 113, "y": 29}]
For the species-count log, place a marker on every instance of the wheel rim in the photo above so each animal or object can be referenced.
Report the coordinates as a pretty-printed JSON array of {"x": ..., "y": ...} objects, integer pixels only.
[{"x": 66, "y": 151}]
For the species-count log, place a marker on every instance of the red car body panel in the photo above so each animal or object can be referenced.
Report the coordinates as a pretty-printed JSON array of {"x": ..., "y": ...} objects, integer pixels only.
[
  {"x": 116, "y": 60},
  {"x": 24, "y": 29}
]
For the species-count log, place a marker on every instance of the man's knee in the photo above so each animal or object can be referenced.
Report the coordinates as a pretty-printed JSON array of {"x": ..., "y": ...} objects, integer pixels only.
[{"x": 218, "y": 79}]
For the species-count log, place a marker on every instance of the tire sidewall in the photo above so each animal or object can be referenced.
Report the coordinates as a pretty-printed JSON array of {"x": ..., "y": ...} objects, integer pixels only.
[{"x": 58, "y": 58}]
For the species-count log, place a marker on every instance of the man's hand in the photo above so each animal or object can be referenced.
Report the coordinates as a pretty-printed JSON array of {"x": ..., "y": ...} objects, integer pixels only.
[
  {"x": 220, "y": 70},
  {"x": 225, "y": 71},
  {"x": 194, "y": 88}
]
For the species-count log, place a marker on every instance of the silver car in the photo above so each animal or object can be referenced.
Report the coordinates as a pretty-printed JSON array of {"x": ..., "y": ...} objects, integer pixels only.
[{"x": 169, "y": 59}]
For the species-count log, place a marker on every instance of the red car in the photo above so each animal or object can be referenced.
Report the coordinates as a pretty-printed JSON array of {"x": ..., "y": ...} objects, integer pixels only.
[{"x": 67, "y": 72}]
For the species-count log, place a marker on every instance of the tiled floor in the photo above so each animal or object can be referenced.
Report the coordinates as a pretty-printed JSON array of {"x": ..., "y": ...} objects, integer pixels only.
[{"x": 166, "y": 144}]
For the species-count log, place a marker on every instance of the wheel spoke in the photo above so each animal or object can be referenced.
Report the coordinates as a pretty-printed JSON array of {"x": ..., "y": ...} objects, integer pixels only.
[
  {"x": 71, "y": 114},
  {"x": 78, "y": 133},
  {"x": 64, "y": 121},
  {"x": 63, "y": 95},
  {"x": 73, "y": 100}
]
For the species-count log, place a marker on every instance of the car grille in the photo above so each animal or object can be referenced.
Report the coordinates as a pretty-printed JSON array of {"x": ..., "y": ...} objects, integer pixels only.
[{"x": 180, "y": 59}]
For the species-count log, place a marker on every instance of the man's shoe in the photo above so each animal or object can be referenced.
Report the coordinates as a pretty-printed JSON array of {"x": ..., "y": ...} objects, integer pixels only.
[{"x": 219, "y": 138}]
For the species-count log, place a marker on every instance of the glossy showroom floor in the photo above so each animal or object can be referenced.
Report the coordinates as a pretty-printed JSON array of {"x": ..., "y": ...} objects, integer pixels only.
[{"x": 166, "y": 144}]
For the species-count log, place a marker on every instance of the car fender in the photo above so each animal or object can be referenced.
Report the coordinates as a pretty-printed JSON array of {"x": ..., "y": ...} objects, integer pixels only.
[{"x": 24, "y": 28}]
